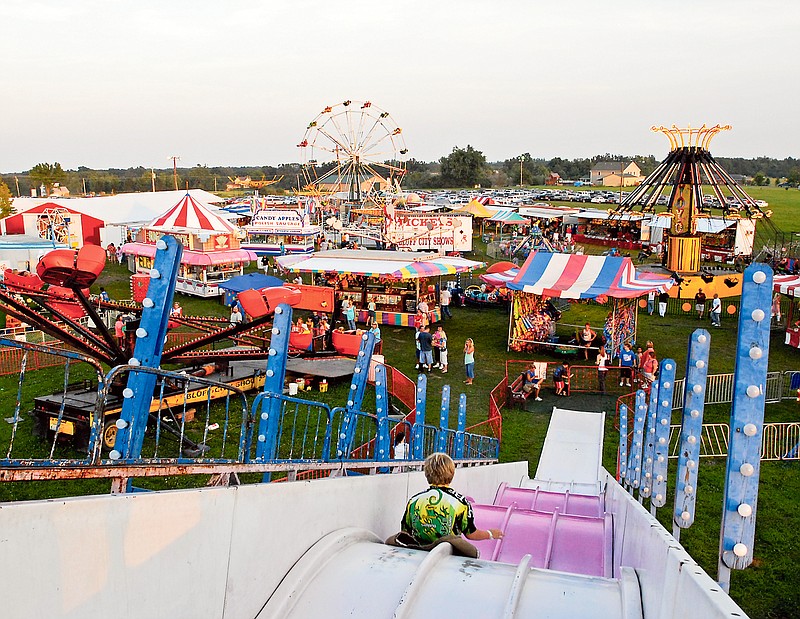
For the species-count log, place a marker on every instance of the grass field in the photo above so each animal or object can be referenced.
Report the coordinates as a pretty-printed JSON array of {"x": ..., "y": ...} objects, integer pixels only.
[{"x": 769, "y": 589}]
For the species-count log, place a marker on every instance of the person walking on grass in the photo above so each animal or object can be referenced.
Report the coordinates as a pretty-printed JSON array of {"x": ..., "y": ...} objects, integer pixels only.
[
  {"x": 440, "y": 348},
  {"x": 627, "y": 359},
  {"x": 587, "y": 337},
  {"x": 425, "y": 348},
  {"x": 700, "y": 303},
  {"x": 561, "y": 378},
  {"x": 444, "y": 301},
  {"x": 662, "y": 303},
  {"x": 469, "y": 360},
  {"x": 602, "y": 368},
  {"x": 716, "y": 311}
]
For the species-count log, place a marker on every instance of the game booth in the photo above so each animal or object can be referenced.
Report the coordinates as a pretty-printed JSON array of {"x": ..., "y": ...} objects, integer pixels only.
[
  {"x": 597, "y": 227},
  {"x": 395, "y": 281},
  {"x": 548, "y": 277},
  {"x": 211, "y": 252},
  {"x": 721, "y": 238}
]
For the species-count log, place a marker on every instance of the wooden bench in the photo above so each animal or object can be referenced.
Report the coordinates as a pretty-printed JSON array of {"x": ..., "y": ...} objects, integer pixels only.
[{"x": 517, "y": 394}]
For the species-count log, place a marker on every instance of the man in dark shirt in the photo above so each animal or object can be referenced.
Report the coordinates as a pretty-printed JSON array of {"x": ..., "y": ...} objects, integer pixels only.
[
  {"x": 425, "y": 348},
  {"x": 700, "y": 303}
]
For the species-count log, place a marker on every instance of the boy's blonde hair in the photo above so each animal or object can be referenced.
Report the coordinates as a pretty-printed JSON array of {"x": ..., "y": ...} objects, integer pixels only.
[{"x": 439, "y": 469}]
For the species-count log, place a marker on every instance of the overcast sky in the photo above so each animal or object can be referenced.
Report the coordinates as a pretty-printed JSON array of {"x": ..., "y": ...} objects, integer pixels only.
[{"x": 118, "y": 84}]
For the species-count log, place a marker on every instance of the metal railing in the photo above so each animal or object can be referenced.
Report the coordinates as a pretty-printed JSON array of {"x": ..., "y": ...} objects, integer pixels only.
[
  {"x": 201, "y": 426},
  {"x": 781, "y": 441}
]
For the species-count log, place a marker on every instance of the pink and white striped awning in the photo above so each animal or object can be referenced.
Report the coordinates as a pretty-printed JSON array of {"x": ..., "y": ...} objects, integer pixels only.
[
  {"x": 501, "y": 279},
  {"x": 189, "y": 215},
  {"x": 787, "y": 284},
  {"x": 572, "y": 276}
]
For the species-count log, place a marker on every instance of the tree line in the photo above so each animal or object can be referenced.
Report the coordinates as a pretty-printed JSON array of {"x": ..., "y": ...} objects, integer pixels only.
[{"x": 463, "y": 167}]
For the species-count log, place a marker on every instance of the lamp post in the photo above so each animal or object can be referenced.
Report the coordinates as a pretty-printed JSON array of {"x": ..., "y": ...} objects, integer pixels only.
[{"x": 521, "y": 159}]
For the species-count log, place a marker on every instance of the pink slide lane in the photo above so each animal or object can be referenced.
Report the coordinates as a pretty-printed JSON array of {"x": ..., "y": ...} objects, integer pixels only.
[
  {"x": 545, "y": 501},
  {"x": 568, "y": 543}
]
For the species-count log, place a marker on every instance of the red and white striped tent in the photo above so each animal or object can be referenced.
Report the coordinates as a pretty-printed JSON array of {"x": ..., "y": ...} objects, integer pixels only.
[
  {"x": 189, "y": 215},
  {"x": 787, "y": 284},
  {"x": 574, "y": 276}
]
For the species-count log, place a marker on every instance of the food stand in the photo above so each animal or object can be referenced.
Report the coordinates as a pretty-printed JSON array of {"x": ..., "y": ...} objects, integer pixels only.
[
  {"x": 396, "y": 281},
  {"x": 277, "y": 231},
  {"x": 211, "y": 251}
]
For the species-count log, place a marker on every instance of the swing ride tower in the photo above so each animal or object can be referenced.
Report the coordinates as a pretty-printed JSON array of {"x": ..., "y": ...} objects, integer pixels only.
[{"x": 682, "y": 176}]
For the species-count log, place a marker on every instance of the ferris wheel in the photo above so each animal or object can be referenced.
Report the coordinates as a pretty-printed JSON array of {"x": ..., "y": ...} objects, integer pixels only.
[
  {"x": 53, "y": 224},
  {"x": 353, "y": 147}
]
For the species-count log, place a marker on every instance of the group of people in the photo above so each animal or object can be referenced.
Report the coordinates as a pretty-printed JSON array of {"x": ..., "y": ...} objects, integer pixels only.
[
  {"x": 637, "y": 368},
  {"x": 431, "y": 349},
  {"x": 431, "y": 352}
]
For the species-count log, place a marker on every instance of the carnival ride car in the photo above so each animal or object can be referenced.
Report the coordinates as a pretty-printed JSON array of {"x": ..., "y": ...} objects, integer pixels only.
[{"x": 56, "y": 301}]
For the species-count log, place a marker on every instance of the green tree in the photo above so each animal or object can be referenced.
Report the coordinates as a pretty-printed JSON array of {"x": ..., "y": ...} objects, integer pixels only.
[
  {"x": 47, "y": 174},
  {"x": 759, "y": 180},
  {"x": 793, "y": 178},
  {"x": 5, "y": 201},
  {"x": 464, "y": 167}
]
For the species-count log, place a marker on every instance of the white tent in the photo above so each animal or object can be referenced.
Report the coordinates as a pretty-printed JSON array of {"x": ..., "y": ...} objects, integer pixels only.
[{"x": 122, "y": 207}]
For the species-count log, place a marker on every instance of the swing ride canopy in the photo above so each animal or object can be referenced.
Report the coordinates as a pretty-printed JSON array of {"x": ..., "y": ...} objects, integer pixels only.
[
  {"x": 392, "y": 264},
  {"x": 574, "y": 276}
]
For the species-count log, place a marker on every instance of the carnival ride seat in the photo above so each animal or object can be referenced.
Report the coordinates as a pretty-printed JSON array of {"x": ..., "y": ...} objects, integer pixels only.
[
  {"x": 346, "y": 343},
  {"x": 258, "y": 303},
  {"x": 71, "y": 268},
  {"x": 22, "y": 281},
  {"x": 301, "y": 341}
]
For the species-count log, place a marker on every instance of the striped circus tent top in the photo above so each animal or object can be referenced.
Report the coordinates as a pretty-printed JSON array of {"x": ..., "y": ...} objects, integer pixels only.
[
  {"x": 391, "y": 264},
  {"x": 787, "y": 284},
  {"x": 191, "y": 215},
  {"x": 507, "y": 216},
  {"x": 573, "y": 276},
  {"x": 501, "y": 279}
]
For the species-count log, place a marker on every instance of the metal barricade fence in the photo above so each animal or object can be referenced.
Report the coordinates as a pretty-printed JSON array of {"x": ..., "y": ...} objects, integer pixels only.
[
  {"x": 781, "y": 441},
  {"x": 304, "y": 429}
]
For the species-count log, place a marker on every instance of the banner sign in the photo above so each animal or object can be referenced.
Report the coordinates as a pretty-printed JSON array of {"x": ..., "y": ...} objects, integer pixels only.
[
  {"x": 430, "y": 232},
  {"x": 279, "y": 220}
]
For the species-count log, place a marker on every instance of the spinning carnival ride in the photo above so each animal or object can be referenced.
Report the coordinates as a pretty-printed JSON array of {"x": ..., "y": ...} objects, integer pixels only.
[{"x": 687, "y": 169}]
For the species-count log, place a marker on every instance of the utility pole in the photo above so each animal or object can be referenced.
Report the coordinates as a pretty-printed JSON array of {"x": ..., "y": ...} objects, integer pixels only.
[
  {"x": 520, "y": 171},
  {"x": 175, "y": 159},
  {"x": 84, "y": 186},
  {"x": 16, "y": 180},
  {"x": 153, "y": 179}
]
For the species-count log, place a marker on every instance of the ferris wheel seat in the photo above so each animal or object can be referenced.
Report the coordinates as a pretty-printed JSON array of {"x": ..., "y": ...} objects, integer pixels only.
[{"x": 72, "y": 269}]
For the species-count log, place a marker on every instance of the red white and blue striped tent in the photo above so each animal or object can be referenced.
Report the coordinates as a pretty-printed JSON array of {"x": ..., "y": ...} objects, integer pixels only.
[{"x": 573, "y": 276}]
